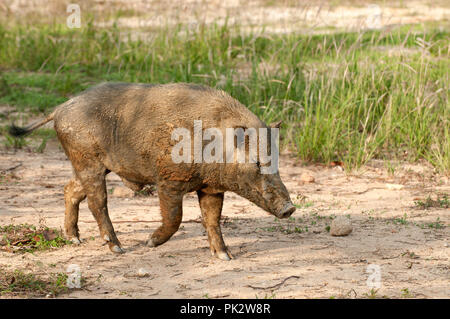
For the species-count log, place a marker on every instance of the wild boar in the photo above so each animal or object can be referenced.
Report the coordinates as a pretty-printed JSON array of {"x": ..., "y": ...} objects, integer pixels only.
[{"x": 128, "y": 129}]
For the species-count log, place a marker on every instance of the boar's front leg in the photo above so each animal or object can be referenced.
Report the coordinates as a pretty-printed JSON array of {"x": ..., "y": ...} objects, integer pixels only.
[
  {"x": 211, "y": 208},
  {"x": 171, "y": 204}
]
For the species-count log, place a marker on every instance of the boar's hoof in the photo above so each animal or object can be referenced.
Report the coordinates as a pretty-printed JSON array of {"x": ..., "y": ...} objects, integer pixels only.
[
  {"x": 75, "y": 241},
  {"x": 114, "y": 246},
  {"x": 150, "y": 243},
  {"x": 222, "y": 255},
  {"x": 116, "y": 249}
]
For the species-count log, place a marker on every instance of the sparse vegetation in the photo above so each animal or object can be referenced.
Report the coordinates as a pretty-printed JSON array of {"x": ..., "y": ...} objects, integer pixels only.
[
  {"x": 406, "y": 293},
  {"x": 18, "y": 283},
  {"x": 267, "y": 296},
  {"x": 317, "y": 223},
  {"x": 436, "y": 225},
  {"x": 400, "y": 220},
  {"x": 304, "y": 204},
  {"x": 287, "y": 229},
  {"x": 373, "y": 294},
  {"x": 441, "y": 201},
  {"x": 14, "y": 143},
  {"x": 148, "y": 190},
  {"x": 29, "y": 238}
]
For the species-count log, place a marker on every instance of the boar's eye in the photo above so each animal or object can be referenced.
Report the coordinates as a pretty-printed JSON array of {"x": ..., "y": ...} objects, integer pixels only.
[{"x": 258, "y": 164}]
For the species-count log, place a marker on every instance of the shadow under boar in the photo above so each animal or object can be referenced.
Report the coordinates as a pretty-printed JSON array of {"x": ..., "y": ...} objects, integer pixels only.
[{"x": 127, "y": 129}]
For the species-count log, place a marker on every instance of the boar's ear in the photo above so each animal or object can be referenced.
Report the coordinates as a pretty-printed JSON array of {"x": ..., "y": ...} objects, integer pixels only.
[{"x": 276, "y": 124}]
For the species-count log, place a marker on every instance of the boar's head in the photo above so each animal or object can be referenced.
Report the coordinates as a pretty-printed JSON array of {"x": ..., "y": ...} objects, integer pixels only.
[{"x": 257, "y": 179}]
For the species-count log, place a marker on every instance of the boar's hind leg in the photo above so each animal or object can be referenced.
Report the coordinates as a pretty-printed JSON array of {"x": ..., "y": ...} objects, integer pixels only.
[
  {"x": 92, "y": 178},
  {"x": 171, "y": 204},
  {"x": 211, "y": 207},
  {"x": 73, "y": 195}
]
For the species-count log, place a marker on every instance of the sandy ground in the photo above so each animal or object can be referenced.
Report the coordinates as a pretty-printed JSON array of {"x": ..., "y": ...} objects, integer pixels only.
[{"x": 268, "y": 262}]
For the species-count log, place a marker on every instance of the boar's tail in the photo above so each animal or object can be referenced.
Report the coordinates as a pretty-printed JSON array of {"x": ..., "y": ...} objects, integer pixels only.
[{"x": 17, "y": 131}]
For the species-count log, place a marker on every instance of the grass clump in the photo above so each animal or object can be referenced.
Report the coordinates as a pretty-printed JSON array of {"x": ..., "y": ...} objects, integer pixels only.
[
  {"x": 441, "y": 201},
  {"x": 436, "y": 225},
  {"x": 29, "y": 238},
  {"x": 19, "y": 284}
]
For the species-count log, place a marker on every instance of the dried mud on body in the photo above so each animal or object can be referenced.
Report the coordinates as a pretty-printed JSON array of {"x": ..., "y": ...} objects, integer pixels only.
[{"x": 400, "y": 219}]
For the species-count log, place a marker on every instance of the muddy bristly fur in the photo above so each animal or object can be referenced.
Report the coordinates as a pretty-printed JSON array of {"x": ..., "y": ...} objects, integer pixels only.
[{"x": 127, "y": 129}]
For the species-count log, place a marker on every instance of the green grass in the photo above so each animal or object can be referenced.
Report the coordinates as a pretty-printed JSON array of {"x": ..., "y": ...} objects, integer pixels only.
[
  {"x": 346, "y": 97},
  {"x": 436, "y": 225},
  {"x": 440, "y": 202},
  {"x": 19, "y": 283},
  {"x": 29, "y": 238},
  {"x": 303, "y": 204},
  {"x": 406, "y": 293},
  {"x": 400, "y": 220},
  {"x": 36, "y": 91},
  {"x": 14, "y": 143},
  {"x": 298, "y": 225}
]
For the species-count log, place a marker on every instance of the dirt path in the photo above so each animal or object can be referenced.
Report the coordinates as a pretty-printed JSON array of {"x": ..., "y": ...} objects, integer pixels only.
[{"x": 273, "y": 259}]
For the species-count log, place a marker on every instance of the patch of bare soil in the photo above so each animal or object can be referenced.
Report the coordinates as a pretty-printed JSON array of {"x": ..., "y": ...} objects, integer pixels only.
[{"x": 393, "y": 227}]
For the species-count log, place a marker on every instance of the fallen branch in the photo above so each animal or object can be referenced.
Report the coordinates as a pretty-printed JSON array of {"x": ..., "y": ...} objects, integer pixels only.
[
  {"x": 11, "y": 168},
  {"x": 124, "y": 221},
  {"x": 140, "y": 221},
  {"x": 274, "y": 286}
]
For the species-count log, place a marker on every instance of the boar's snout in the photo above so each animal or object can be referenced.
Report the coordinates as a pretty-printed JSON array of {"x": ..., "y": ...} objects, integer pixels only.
[
  {"x": 265, "y": 190},
  {"x": 287, "y": 211}
]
